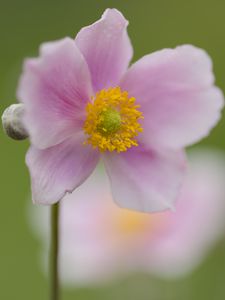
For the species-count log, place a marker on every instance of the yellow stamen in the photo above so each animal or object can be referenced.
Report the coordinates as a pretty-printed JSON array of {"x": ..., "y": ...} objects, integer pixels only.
[
  {"x": 112, "y": 121},
  {"x": 131, "y": 222}
]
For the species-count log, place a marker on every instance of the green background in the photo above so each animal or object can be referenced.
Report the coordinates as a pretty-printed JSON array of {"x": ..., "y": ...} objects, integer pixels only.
[{"x": 24, "y": 24}]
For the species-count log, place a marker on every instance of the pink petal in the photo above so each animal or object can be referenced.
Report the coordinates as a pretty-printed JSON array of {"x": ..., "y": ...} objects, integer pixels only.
[
  {"x": 175, "y": 90},
  {"x": 55, "y": 88},
  {"x": 59, "y": 169},
  {"x": 106, "y": 48},
  {"x": 87, "y": 247},
  {"x": 145, "y": 180},
  {"x": 198, "y": 222}
]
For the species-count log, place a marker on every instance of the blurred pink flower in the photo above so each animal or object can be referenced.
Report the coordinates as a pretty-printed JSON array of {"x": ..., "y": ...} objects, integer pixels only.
[
  {"x": 79, "y": 97},
  {"x": 100, "y": 241}
]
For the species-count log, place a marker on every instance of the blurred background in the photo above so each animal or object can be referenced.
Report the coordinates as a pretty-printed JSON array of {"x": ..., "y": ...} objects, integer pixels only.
[{"x": 153, "y": 25}]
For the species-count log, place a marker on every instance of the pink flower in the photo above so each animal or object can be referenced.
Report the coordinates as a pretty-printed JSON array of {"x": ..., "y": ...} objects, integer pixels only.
[
  {"x": 82, "y": 102},
  {"x": 100, "y": 241}
]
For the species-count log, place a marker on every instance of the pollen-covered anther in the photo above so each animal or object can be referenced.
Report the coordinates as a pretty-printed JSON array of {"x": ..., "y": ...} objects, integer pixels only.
[{"x": 112, "y": 121}]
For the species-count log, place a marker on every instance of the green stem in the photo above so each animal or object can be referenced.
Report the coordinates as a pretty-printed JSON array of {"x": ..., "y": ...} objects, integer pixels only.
[{"x": 53, "y": 259}]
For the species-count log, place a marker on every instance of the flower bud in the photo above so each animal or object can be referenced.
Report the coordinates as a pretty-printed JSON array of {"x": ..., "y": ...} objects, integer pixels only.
[{"x": 12, "y": 122}]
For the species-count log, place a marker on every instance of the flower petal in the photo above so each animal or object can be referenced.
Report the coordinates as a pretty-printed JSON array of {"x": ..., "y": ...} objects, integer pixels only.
[
  {"x": 181, "y": 245},
  {"x": 175, "y": 90},
  {"x": 55, "y": 89},
  {"x": 145, "y": 180},
  {"x": 88, "y": 252},
  {"x": 59, "y": 169},
  {"x": 106, "y": 48}
]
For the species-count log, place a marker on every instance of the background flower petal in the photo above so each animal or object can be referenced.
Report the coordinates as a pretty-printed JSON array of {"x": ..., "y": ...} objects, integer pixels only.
[
  {"x": 145, "y": 180},
  {"x": 55, "y": 89},
  {"x": 106, "y": 48},
  {"x": 88, "y": 252},
  {"x": 59, "y": 169},
  {"x": 175, "y": 90},
  {"x": 198, "y": 222}
]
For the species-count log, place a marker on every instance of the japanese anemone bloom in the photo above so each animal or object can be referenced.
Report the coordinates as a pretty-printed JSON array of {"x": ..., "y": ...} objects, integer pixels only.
[
  {"x": 168, "y": 244},
  {"x": 82, "y": 102}
]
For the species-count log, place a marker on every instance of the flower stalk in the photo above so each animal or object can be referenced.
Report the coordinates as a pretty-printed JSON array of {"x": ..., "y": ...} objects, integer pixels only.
[{"x": 54, "y": 251}]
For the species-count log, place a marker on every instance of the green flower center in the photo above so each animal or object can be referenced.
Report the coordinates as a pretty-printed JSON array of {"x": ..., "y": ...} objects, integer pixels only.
[{"x": 109, "y": 121}]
